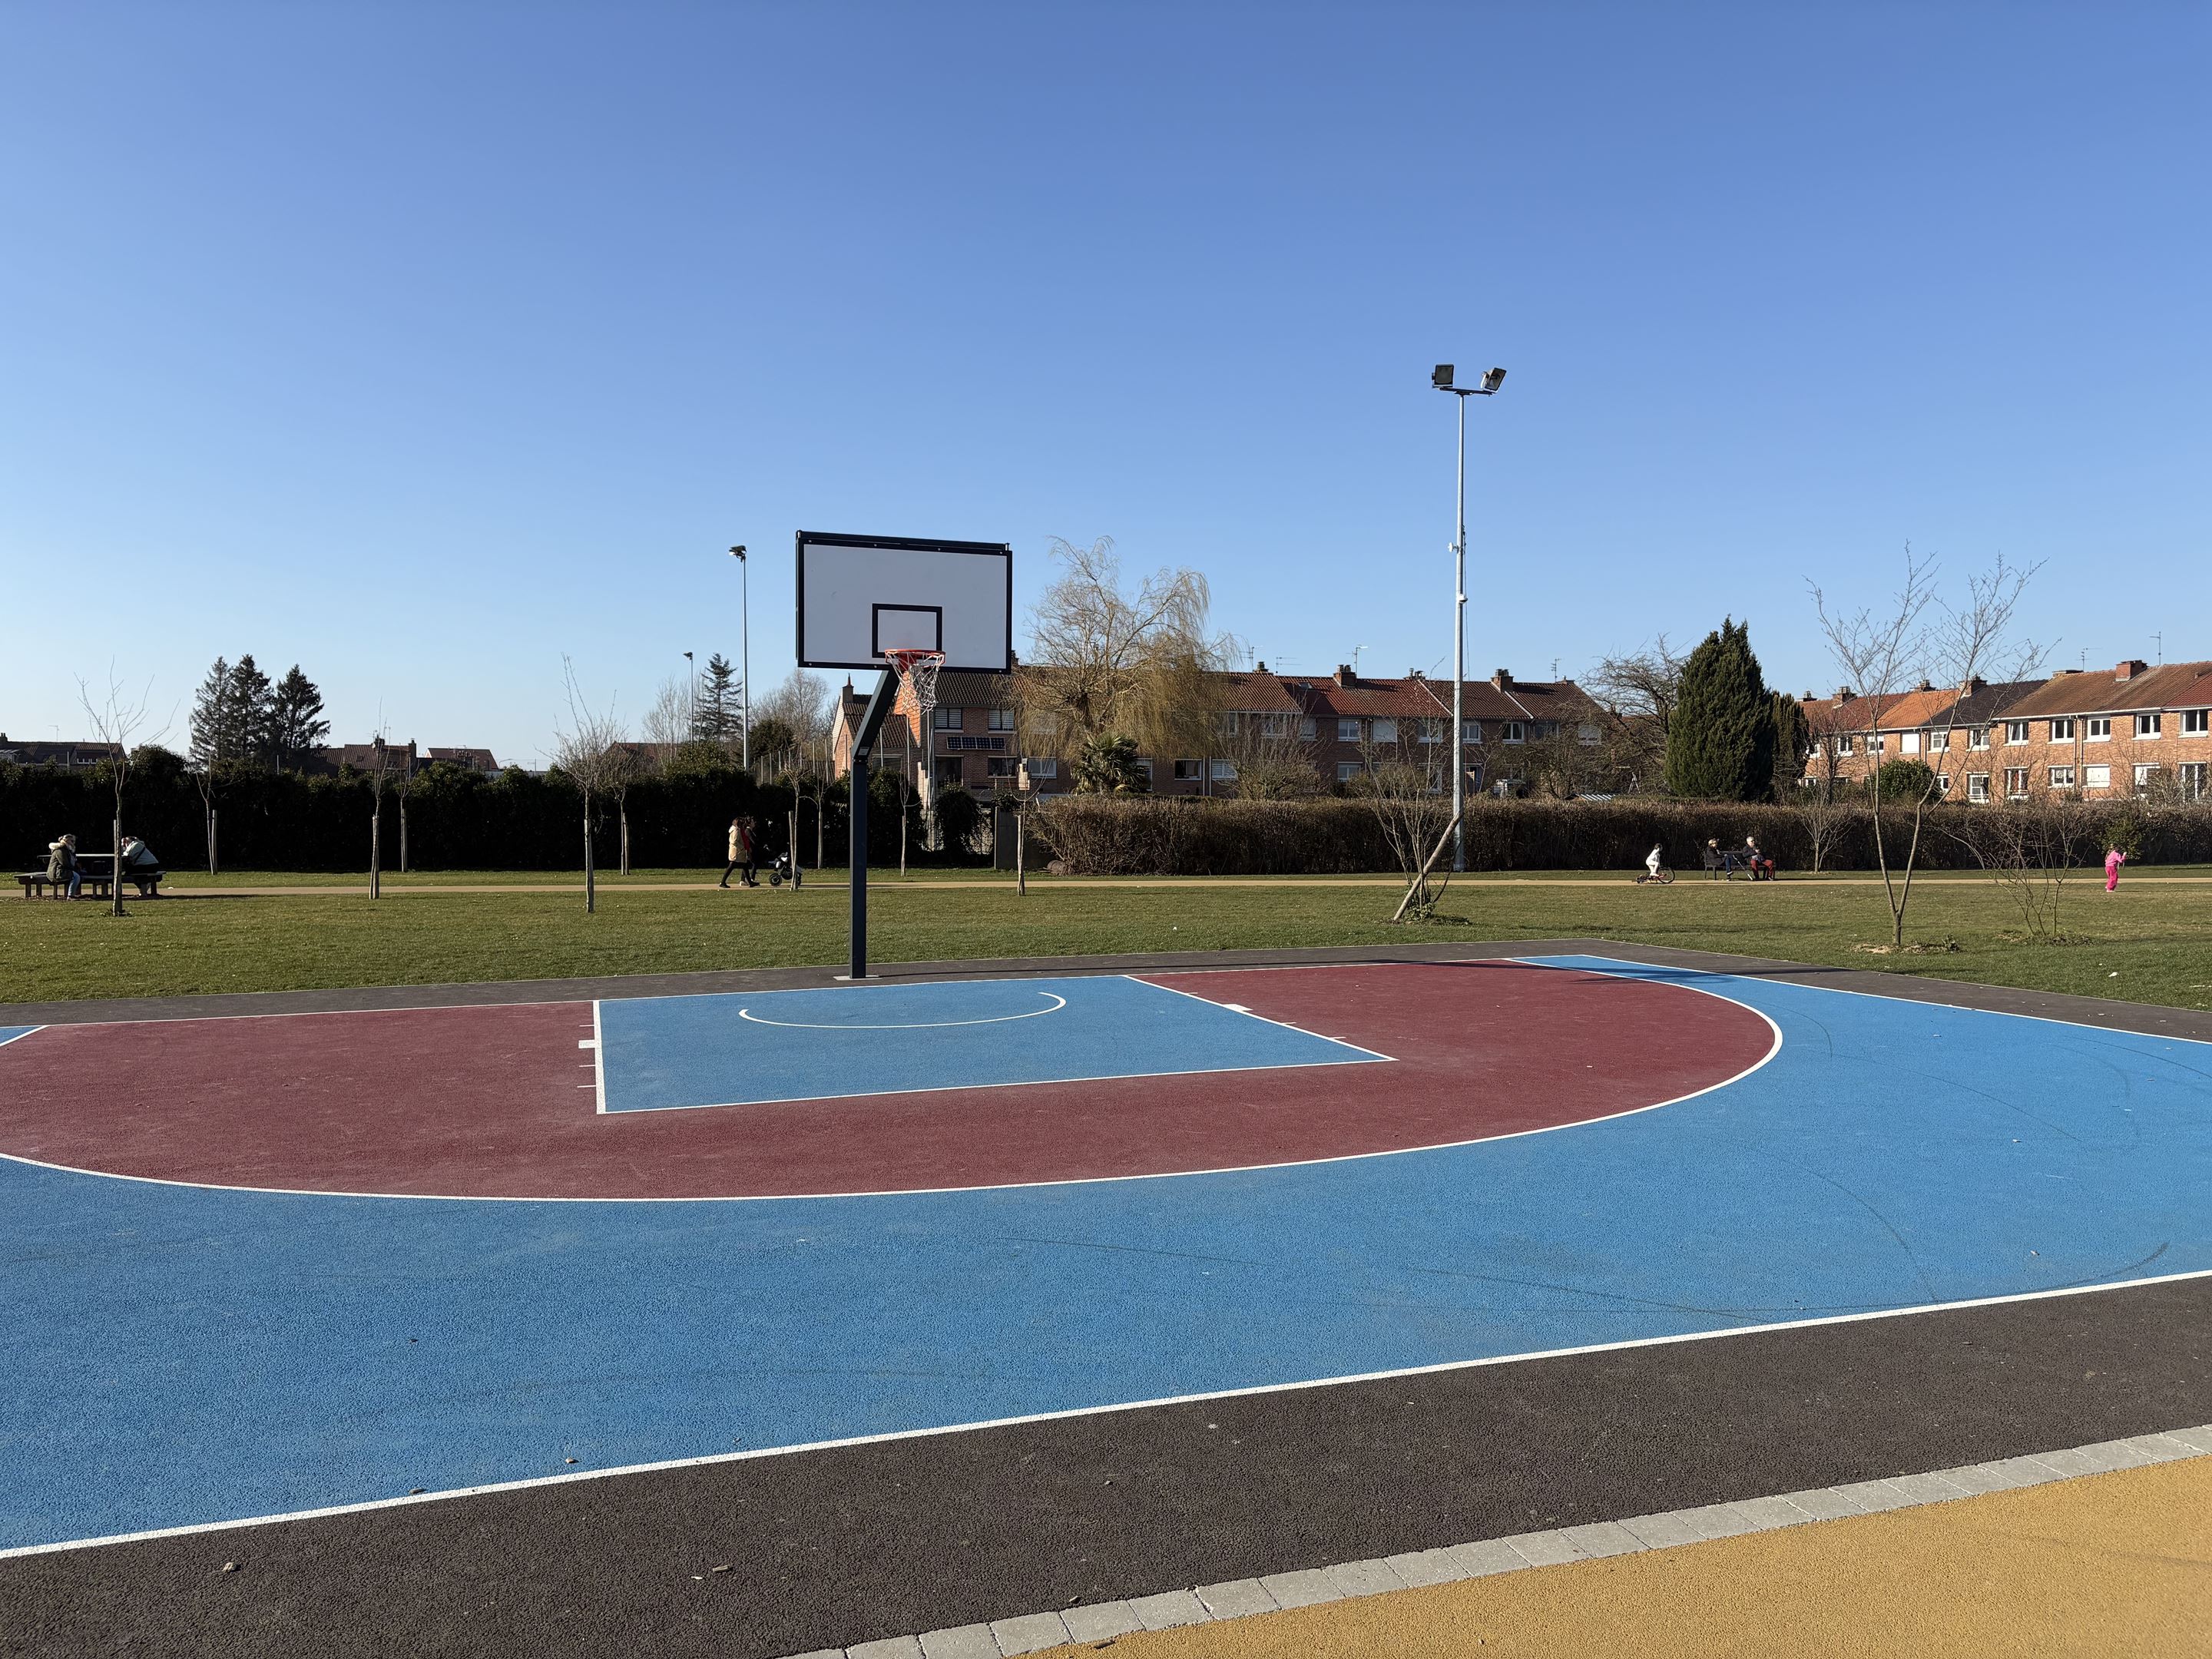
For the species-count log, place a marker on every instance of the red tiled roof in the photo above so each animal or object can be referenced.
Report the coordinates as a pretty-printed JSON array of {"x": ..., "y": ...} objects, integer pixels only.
[{"x": 2100, "y": 690}]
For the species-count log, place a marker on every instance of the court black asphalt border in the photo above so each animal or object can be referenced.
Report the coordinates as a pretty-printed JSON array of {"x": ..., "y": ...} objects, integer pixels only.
[
  {"x": 2146, "y": 1018},
  {"x": 842, "y": 1545},
  {"x": 845, "y": 1545}
]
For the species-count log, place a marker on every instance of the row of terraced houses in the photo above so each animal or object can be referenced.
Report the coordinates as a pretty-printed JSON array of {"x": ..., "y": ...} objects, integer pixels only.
[
  {"x": 2131, "y": 729},
  {"x": 1338, "y": 723}
]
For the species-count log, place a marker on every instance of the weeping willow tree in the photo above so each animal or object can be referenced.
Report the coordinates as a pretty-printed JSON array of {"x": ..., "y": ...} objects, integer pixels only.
[{"x": 1108, "y": 663}]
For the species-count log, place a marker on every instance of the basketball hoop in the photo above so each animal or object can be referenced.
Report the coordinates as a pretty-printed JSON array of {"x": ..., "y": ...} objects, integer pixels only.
[{"x": 917, "y": 692}]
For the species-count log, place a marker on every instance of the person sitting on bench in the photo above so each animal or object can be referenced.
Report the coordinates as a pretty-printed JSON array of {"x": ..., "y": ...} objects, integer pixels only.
[
  {"x": 139, "y": 864},
  {"x": 61, "y": 867},
  {"x": 1761, "y": 867},
  {"x": 1719, "y": 859}
]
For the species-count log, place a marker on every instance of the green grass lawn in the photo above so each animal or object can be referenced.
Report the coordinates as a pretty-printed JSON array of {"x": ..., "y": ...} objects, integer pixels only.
[{"x": 2152, "y": 942}]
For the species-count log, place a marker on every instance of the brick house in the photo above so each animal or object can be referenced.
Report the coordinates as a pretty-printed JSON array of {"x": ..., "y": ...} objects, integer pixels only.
[
  {"x": 2132, "y": 729},
  {"x": 1341, "y": 723}
]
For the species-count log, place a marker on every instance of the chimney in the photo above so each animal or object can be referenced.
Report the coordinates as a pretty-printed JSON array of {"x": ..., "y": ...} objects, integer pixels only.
[
  {"x": 1344, "y": 674},
  {"x": 1843, "y": 693},
  {"x": 1976, "y": 683},
  {"x": 1925, "y": 685},
  {"x": 2128, "y": 670},
  {"x": 1501, "y": 679},
  {"x": 1261, "y": 668}
]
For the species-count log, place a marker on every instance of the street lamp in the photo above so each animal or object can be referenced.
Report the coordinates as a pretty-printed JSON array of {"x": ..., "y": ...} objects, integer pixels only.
[
  {"x": 745, "y": 650},
  {"x": 1441, "y": 378},
  {"x": 691, "y": 698}
]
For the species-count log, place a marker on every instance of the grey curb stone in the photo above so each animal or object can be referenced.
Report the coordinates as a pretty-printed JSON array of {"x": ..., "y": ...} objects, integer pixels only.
[
  {"x": 1602, "y": 1538},
  {"x": 1236, "y": 1598},
  {"x": 1241, "y": 1597},
  {"x": 1101, "y": 1621},
  {"x": 1030, "y": 1633},
  {"x": 963, "y": 1641},
  {"x": 1166, "y": 1612},
  {"x": 1544, "y": 1549},
  {"x": 1300, "y": 1590},
  {"x": 1364, "y": 1578}
]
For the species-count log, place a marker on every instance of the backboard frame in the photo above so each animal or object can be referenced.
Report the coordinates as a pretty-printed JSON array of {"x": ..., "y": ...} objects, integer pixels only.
[{"x": 1002, "y": 552}]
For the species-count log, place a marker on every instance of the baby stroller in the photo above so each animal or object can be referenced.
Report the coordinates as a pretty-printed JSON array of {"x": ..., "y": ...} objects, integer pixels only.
[{"x": 782, "y": 870}]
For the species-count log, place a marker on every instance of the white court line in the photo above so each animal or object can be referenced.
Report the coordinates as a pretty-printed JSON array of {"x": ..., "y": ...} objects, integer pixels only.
[
  {"x": 1095, "y": 1411},
  {"x": 1236, "y": 1007},
  {"x": 1058, "y": 1003},
  {"x": 599, "y": 1060},
  {"x": 1000, "y": 1186},
  {"x": 29, "y": 1030}
]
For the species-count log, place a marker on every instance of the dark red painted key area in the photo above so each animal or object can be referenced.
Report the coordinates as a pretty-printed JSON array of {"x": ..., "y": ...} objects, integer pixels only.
[{"x": 492, "y": 1102}]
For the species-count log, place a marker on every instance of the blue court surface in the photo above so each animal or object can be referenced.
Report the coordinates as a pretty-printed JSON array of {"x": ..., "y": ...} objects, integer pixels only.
[
  {"x": 177, "y": 1355},
  {"x": 657, "y": 1053}
]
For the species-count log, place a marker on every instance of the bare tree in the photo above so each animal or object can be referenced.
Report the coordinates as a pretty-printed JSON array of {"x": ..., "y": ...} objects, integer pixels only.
[
  {"x": 118, "y": 722},
  {"x": 1636, "y": 693},
  {"x": 2032, "y": 847},
  {"x": 668, "y": 721},
  {"x": 1406, "y": 782},
  {"x": 1106, "y": 662},
  {"x": 1268, "y": 753},
  {"x": 406, "y": 782},
  {"x": 585, "y": 751},
  {"x": 379, "y": 776},
  {"x": 626, "y": 766},
  {"x": 1884, "y": 653}
]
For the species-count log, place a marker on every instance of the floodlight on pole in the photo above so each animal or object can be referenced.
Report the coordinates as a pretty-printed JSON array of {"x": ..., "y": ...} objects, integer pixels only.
[
  {"x": 745, "y": 652},
  {"x": 1440, "y": 377},
  {"x": 690, "y": 697}
]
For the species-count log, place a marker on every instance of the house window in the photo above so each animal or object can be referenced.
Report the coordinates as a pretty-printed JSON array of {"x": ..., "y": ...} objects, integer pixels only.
[
  {"x": 1002, "y": 766},
  {"x": 1910, "y": 743},
  {"x": 1589, "y": 735},
  {"x": 2190, "y": 777},
  {"x": 1977, "y": 786},
  {"x": 2062, "y": 731},
  {"x": 1046, "y": 768},
  {"x": 2145, "y": 777},
  {"x": 1979, "y": 738},
  {"x": 949, "y": 720},
  {"x": 2016, "y": 730},
  {"x": 2147, "y": 726},
  {"x": 1308, "y": 730},
  {"x": 1274, "y": 725},
  {"x": 1546, "y": 730},
  {"x": 1145, "y": 767},
  {"x": 2100, "y": 729},
  {"x": 1471, "y": 731},
  {"x": 1188, "y": 771},
  {"x": 1847, "y": 746},
  {"x": 1386, "y": 731},
  {"x": 2196, "y": 722},
  {"x": 1346, "y": 771},
  {"x": 1877, "y": 742},
  {"x": 2016, "y": 781},
  {"x": 1937, "y": 741},
  {"x": 2096, "y": 777},
  {"x": 1347, "y": 731},
  {"x": 1002, "y": 720},
  {"x": 2061, "y": 777},
  {"x": 1942, "y": 783},
  {"x": 1513, "y": 732},
  {"x": 1432, "y": 730},
  {"x": 1223, "y": 771}
]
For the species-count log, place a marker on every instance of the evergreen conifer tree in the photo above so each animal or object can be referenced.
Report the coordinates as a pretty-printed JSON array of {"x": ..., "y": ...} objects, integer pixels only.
[
  {"x": 296, "y": 725},
  {"x": 249, "y": 705},
  {"x": 1720, "y": 743},
  {"x": 718, "y": 719},
  {"x": 211, "y": 726}
]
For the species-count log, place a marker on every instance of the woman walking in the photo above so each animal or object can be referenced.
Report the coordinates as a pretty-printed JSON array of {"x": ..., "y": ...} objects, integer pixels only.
[
  {"x": 2113, "y": 859},
  {"x": 741, "y": 853}
]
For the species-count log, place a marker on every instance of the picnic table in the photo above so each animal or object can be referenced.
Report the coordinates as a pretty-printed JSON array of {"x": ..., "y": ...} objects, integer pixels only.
[{"x": 96, "y": 875}]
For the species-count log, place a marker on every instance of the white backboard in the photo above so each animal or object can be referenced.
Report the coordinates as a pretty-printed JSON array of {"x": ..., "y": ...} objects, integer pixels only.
[{"x": 859, "y": 596}]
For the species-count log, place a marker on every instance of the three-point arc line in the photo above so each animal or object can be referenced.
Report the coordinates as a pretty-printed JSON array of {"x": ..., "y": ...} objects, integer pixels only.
[{"x": 1058, "y": 1003}]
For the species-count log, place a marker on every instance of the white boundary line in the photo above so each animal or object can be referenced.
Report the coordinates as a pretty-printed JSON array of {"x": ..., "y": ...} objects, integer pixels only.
[
  {"x": 1094, "y": 1411},
  {"x": 1058, "y": 1003},
  {"x": 599, "y": 1060},
  {"x": 29, "y": 1030},
  {"x": 1283, "y": 1025},
  {"x": 991, "y": 1187}
]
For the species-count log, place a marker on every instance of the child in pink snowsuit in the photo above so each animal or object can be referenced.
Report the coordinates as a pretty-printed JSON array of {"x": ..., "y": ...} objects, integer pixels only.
[{"x": 2113, "y": 860}]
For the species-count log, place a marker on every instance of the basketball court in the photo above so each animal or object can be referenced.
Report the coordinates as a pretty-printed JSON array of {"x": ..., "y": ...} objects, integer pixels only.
[{"x": 762, "y": 1314}]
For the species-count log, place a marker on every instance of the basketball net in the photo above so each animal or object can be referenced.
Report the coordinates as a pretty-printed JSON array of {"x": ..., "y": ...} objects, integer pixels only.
[{"x": 917, "y": 692}]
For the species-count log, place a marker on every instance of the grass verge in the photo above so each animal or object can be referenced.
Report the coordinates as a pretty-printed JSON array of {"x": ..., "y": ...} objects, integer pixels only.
[{"x": 2151, "y": 942}]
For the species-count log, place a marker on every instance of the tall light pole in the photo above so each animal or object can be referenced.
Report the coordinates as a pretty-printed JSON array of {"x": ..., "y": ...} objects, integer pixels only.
[
  {"x": 1441, "y": 378},
  {"x": 691, "y": 698},
  {"x": 745, "y": 651}
]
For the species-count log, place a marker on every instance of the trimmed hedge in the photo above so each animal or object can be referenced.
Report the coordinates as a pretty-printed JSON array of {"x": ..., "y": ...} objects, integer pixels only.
[
  {"x": 1096, "y": 834},
  {"x": 456, "y": 819}
]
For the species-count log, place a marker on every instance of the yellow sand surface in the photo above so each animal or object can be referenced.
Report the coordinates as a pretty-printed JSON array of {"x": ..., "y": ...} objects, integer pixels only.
[{"x": 2112, "y": 1564}]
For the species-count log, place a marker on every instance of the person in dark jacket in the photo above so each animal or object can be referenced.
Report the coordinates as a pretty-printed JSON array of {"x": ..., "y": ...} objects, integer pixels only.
[
  {"x": 61, "y": 866},
  {"x": 741, "y": 844}
]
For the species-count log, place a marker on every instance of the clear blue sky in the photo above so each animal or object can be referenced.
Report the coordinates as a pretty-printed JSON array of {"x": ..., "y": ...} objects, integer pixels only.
[{"x": 425, "y": 344}]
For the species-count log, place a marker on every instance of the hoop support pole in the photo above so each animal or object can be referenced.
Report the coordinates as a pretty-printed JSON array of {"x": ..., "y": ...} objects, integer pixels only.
[{"x": 864, "y": 740}]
